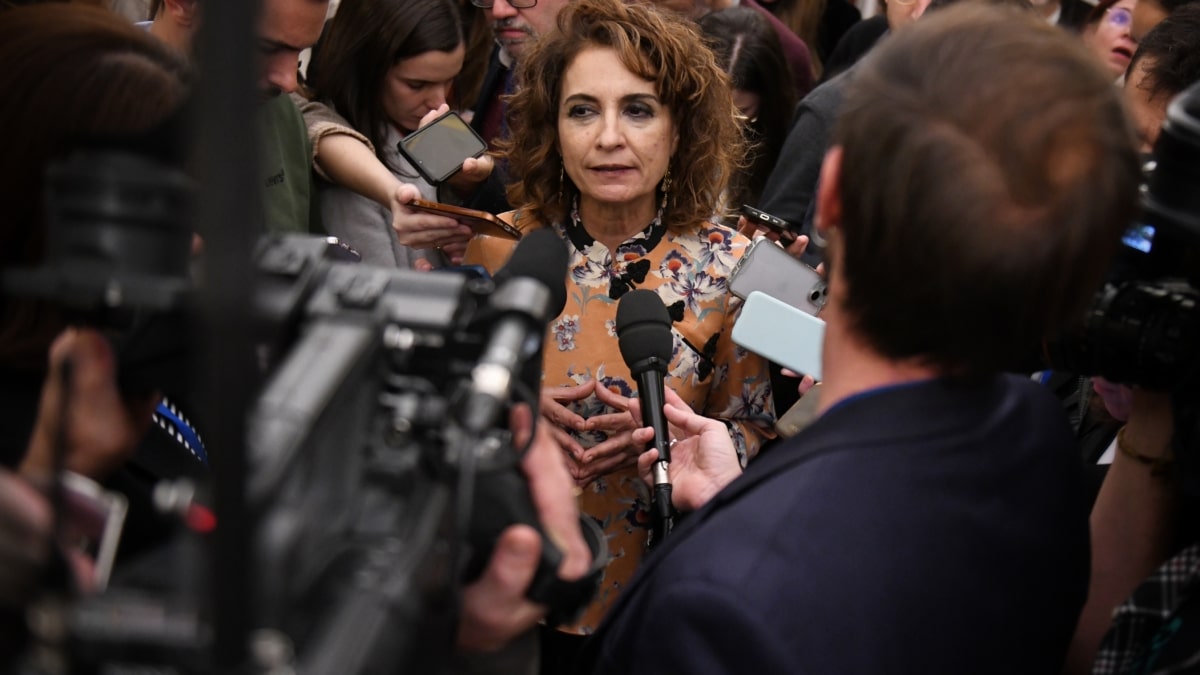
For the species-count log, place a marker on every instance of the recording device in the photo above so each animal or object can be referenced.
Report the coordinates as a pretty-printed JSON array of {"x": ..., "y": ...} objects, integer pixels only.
[
  {"x": 381, "y": 463},
  {"x": 438, "y": 149},
  {"x": 529, "y": 292},
  {"x": 781, "y": 333},
  {"x": 481, "y": 222},
  {"x": 645, "y": 340},
  {"x": 117, "y": 247},
  {"x": 773, "y": 223},
  {"x": 768, "y": 268},
  {"x": 1143, "y": 327},
  {"x": 381, "y": 469}
]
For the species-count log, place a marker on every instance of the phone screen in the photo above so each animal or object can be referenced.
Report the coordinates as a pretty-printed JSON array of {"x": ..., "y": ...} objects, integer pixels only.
[
  {"x": 1139, "y": 237},
  {"x": 438, "y": 149}
]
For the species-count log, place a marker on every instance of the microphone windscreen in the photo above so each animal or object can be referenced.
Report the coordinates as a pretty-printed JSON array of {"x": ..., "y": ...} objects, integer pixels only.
[
  {"x": 540, "y": 255},
  {"x": 643, "y": 329}
]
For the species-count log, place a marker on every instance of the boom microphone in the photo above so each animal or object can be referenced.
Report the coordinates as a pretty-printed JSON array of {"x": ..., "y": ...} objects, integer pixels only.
[
  {"x": 644, "y": 337},
  {"x": 530, "y": 290}
]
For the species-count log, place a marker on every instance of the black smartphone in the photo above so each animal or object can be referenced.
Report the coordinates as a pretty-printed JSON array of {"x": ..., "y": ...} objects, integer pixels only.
[
  {"x": 775, "y": 224},
  {"x": 438, "y": 149}
]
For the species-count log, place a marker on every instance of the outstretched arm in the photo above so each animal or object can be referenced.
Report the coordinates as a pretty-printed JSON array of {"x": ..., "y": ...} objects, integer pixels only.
[{"x": 1131, "y": 522}]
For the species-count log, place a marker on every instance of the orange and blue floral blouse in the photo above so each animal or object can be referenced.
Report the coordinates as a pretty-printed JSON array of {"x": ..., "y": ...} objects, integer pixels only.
[{"x": 689, "y": 270}]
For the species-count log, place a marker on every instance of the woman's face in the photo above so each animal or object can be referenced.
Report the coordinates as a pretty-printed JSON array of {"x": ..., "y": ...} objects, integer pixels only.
[
  {"x": 615, "y": 135},
  {"x": 418, "y": 84},
  {"x": 1110, "y": 39}
]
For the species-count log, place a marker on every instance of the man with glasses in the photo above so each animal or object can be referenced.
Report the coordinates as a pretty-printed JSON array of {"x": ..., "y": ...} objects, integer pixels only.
[{"x": 515, "y": 24}]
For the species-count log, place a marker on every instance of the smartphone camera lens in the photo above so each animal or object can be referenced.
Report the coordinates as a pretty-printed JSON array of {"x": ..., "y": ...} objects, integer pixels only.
[{"x": 816, "y": 296}]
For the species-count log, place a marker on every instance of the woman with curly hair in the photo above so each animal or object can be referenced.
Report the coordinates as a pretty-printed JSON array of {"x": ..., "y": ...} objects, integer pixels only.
[{"x": 624, "y": 141}]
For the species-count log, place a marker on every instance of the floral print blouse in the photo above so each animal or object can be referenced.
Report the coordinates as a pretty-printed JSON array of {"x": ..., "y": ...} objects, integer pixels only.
[{"x": 690, "y": 271}]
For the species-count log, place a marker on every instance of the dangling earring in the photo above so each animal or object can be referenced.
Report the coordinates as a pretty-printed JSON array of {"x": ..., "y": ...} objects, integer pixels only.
[
  {"x": 666, "y": 189},
  {"x": 562, "y": 181}
]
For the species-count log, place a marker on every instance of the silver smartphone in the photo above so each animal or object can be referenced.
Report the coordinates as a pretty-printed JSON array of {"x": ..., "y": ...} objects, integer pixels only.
[{"x": 769, "y": 269}]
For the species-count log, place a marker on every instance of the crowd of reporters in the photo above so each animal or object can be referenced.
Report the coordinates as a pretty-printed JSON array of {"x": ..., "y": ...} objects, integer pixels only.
[{"x": 969, "y": 180}]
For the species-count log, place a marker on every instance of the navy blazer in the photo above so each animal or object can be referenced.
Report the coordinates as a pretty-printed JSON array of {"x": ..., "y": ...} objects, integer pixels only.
[{"x": 939, "y": 527}]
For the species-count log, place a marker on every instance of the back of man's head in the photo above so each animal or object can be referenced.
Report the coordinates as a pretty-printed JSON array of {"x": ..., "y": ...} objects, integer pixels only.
[{"x": 988, "y": 171}]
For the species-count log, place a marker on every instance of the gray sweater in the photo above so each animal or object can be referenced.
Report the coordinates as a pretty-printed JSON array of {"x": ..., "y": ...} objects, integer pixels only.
[{"x": 367, "y": 225}]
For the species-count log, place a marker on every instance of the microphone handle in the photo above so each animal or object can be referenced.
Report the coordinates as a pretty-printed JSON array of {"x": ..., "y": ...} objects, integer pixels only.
[{"x": 651, "y": 400}]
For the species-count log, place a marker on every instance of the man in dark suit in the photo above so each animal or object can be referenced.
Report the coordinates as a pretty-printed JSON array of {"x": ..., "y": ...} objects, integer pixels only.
[{"x": 932, "y": 518}]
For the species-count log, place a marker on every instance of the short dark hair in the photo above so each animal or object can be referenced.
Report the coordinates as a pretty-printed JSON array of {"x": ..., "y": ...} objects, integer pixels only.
[
  {"x": 1171, "y": 53},
  {"x": 361, "y": 44},
  {"x": 988, "y": 171}
]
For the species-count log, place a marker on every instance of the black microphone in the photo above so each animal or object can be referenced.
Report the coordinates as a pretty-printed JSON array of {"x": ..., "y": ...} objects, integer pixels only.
[
  {"x": 644, "y": 337},
  {"x": 530, "y": 290}
]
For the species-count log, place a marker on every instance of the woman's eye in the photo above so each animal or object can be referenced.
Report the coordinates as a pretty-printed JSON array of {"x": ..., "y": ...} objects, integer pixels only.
[
  {"x": 579, "y": 111},
  {"x": 639, "y": 110}
]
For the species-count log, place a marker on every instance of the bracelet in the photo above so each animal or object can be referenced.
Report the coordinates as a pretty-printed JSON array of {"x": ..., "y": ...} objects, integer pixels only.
[{"x": 1159, "y": 466}]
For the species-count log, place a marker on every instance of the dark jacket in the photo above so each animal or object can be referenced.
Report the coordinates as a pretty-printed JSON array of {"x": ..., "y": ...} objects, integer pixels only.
[{"x": 938, "y": 527}]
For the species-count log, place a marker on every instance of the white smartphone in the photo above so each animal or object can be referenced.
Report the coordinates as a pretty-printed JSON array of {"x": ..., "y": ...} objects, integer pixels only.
[
  {"x": 93, "y": 520},
  {"x": 766, "y": 267},
  {"x": 779, "y": 332}
]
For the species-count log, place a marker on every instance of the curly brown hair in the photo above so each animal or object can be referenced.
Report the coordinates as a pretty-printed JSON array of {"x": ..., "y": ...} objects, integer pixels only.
[{"x": 655, "y": 45}]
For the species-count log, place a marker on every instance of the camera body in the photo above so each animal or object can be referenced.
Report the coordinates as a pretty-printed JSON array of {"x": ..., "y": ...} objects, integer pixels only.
[
  {"x": 1143, "y": 327},
  {"x": 374, "y": 487}
]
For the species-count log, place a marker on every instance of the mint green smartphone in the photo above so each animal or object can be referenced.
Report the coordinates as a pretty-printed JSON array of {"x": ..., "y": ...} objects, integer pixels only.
[{"x": 777, "y": 331}]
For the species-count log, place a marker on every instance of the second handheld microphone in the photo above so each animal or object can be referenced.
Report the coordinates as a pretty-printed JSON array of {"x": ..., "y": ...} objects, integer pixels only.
[{"x": 644, "y": 337}]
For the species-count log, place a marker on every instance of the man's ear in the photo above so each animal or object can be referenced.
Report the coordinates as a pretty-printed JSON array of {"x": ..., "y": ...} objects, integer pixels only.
[
  {"x": 829, "y": 192},
  {"x": 182, "y": 11}
]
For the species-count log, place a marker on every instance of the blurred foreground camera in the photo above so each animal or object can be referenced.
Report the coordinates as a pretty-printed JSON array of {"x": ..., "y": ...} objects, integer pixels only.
[
  {"x": 381, "y": 466},
  {"x": 117, "y": 244},
  {"x": 1144, "y": 325}
]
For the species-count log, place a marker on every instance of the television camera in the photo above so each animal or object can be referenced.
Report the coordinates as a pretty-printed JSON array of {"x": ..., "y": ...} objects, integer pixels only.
[{"x": 381, "y": 466}]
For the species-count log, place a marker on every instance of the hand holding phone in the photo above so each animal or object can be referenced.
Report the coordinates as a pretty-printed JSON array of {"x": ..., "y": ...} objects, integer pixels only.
[
  {"x": 438, "y": 149},
  {"x": 419, "y": 229},
  {"x": 480, "y": 222},
  {"x": 769, "y": 222}
]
